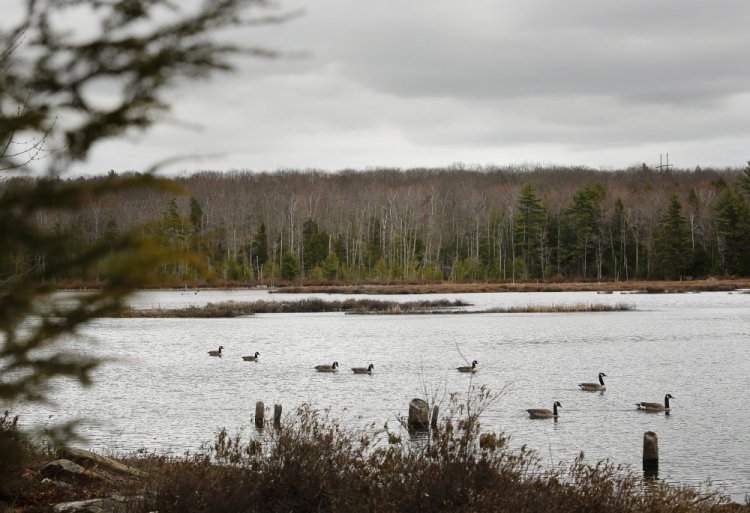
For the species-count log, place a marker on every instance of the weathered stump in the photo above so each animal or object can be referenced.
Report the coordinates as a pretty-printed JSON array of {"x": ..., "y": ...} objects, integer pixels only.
[
  {"x": 260, "y": 414},
  {"x": 277, "y": 416},
  {"x": 419, "y": 414},
  {"x": 650, "y": 455},
  {"x": 434, "y": 418}
]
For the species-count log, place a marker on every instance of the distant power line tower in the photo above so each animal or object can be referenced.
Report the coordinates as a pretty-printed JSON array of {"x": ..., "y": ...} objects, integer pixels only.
[{"x": 662, "y": 166}]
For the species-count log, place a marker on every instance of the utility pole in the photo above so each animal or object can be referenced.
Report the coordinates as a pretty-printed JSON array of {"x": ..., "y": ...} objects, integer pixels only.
[{"x": 662, "y": 166}]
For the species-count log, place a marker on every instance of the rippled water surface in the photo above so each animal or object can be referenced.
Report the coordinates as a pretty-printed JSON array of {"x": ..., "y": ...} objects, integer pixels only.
[{"x": 161, "y": 390}]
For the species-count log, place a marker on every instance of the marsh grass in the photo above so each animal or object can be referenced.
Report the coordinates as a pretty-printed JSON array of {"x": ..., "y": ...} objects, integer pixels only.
[
  {"x": 309, "y": 305},
  {"x": 564, "y": 308},
  {"x": 229, "y": 309}
]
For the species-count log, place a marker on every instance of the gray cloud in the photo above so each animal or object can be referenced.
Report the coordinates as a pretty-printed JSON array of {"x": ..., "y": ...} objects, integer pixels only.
[{"x": 431, "y": 82}]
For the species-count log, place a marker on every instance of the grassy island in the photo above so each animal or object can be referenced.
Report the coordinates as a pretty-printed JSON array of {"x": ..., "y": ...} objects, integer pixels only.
[
  {"x": 229, "y": 309},
  {"x": 310, "y": 305}
]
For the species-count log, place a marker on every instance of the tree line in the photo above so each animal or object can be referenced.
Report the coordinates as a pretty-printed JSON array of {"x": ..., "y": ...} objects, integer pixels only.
[{"x": 459, "y": 224}]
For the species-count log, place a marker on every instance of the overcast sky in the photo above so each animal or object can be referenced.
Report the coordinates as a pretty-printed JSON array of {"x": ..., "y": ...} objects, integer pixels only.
[{"x": 436, "y": 82}]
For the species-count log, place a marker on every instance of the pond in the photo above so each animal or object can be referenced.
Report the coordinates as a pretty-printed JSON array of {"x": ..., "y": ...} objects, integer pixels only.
[{"x": 160, "y": 389}]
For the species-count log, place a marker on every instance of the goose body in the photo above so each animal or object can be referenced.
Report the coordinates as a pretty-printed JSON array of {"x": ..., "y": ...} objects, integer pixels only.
[
  {"x": 468, "y": 368},
  {"x": 327, "y": 368},
  {"x": 594, "y": 387},
  {"x": 543, "y": 413},
  {"x": 216, "y": 353},
  {"x": 251, "y": 358},
  {"x": 363, "y": 370},
  {"x": 655, "y": 406}
]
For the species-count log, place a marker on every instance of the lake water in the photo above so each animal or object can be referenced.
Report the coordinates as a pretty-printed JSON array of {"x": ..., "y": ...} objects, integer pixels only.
[{"x": 162, "y": 391}]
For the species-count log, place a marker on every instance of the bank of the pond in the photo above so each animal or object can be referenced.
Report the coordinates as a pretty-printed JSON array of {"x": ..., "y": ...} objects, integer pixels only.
[
  {"x": 313, "y": 464},
  {"x": 642, "y": 287},
  {"x": 425, "y": 287}
]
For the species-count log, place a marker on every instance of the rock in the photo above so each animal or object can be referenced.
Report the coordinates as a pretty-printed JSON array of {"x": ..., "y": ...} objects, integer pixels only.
[
  {"x": 114, "y": 504},
  {"x": 65, "y": 470},
  {"x": 91, "y": 506},
  {"x": 90, "y": 459},
  {"x": 52, "y": 482}
]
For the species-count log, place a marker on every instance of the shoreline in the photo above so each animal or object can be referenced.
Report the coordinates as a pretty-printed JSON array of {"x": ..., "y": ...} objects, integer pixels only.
[
  {"x": 634, "y": 286},
  {"x": 645, "y": 287}
]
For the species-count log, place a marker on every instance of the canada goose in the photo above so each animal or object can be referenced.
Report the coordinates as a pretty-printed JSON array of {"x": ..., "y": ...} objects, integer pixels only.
[
  {"x": 467, "y": 368},
  {"x": 216, "y": 353},
  {"x": 542, "y": 413},
  {"x": 251, "y": 358},
  {"x": 363, "y": 370},
  {"x": 594, "y": 387},
  {"x": 656, "y": 406},
  {"x": 327, "y": 368}
]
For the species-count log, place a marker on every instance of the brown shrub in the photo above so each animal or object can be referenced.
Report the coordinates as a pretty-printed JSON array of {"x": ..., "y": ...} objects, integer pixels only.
[{"x": 312, "y": 464}]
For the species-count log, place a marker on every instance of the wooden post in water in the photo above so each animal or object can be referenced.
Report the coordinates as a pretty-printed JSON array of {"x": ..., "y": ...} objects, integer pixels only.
[
  {"x": 260, "y": 414},
  {"x": 277, "y": 416},
  {"x": 434, "y": 419},
  {"x": 650, "y": 455},
  {"x": 418, "y": 415}
]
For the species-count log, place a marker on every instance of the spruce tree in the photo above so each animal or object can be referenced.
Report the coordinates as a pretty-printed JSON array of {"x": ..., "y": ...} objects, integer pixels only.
[
  {"x": 733, "y": 232},
  {"x": 46, "y": 81},
  {"x": 673, "y": 240},
  {"x": 530, "y": 231}
]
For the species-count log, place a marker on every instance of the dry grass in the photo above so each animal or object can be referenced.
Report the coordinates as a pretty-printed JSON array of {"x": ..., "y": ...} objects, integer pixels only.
[
  {"x": 228, "y": 309},
  {"x": 314, "y": 464},
  {"x": 563, "y": 308}
]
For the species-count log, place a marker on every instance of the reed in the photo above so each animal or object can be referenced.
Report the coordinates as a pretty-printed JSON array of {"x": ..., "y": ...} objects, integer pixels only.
[{"x": 564, "y": 308}]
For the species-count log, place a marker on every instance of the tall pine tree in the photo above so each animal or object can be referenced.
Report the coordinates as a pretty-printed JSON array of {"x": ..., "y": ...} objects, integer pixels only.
[
  {"x": 530, "y": 231},
  {"x": 673, "y": 240}
]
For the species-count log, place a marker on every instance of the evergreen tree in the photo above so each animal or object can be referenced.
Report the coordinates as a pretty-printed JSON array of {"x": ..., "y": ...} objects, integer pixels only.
[
  {"x": 196, "y": 215},
  {"x": 48, "y": 76},
  {"x": 673, "y": 240},
  {"x": 733, "y": 232},
  {"x": 744, "y": 181},
  {"x": 584, "y": 223},
  {"x": 259, "y": 247},
  {"x": 288, "y": 266},
  {"x": 530, "y": 231},
  {"x": 314, "y": 244}
]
